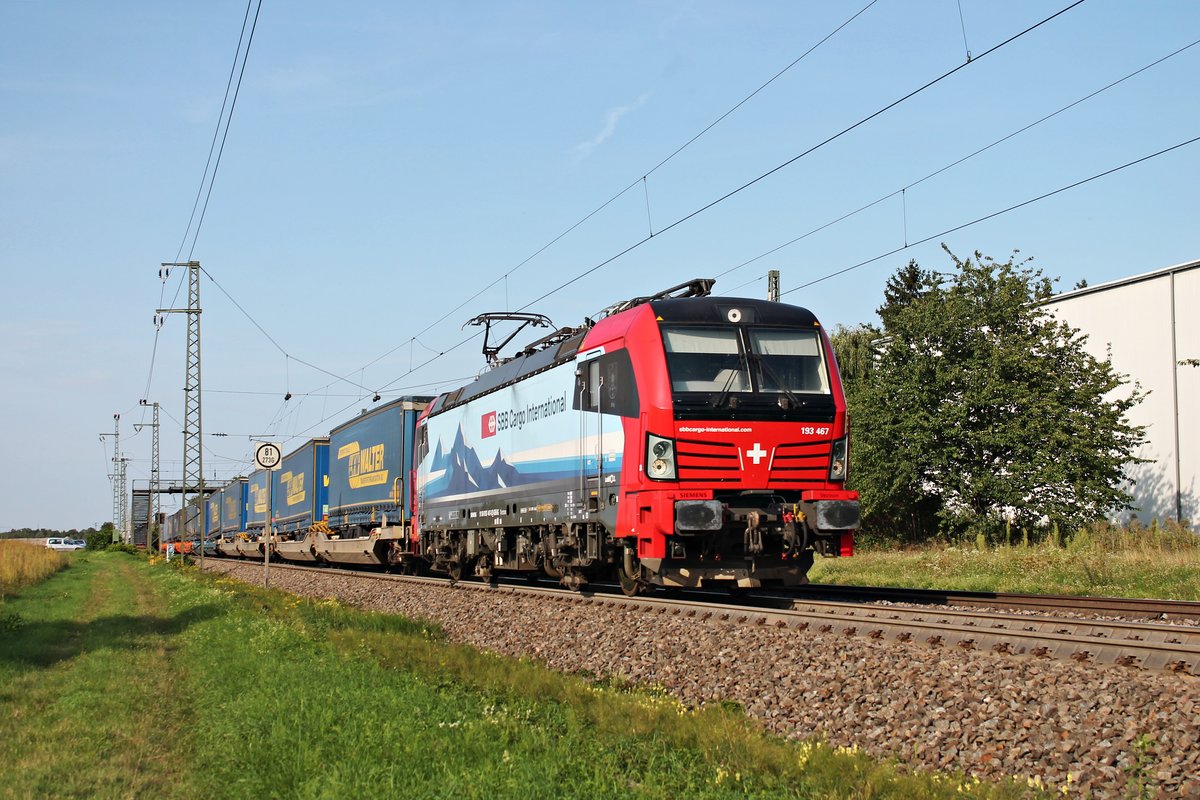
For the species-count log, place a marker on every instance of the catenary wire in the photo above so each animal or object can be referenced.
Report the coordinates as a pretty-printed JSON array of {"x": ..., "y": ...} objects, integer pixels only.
[
  {"x": 744, "y": 186},
  {"x": 993, "y": 215},
  {"x": 805, "y": 153},
  {"x": 958, "y": 161},
  {"x": 704, "y": 208},
  {"x": 228, "y": 121},
  {"x": 633, "y": 183},
  {"x": 584, "y": 219},
  {"x": 199, "y": 190}
]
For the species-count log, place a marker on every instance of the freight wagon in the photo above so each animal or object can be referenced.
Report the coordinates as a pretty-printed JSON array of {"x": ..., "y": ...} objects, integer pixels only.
[{"x": 370, "y": 462}]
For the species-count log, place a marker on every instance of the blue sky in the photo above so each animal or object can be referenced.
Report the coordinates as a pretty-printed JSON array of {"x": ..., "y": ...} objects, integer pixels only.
[{"x": 389, "y": 161}]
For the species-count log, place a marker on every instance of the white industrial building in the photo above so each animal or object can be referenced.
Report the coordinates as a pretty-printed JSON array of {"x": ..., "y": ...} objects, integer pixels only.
[{"x": 1151, "y": 325}]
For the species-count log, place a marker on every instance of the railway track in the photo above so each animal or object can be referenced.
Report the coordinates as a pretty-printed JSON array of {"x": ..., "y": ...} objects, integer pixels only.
[
  {"x": 1117, "y": 606},
  {"x": 1124, "y": 643}
]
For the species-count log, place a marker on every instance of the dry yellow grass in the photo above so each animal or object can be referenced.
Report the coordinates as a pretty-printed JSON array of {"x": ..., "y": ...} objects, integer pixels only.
[{"x": 22, "y": 564}]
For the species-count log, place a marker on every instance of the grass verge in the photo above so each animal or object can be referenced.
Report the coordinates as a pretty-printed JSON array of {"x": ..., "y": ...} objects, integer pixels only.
[
  {"x": 129, "y": 678},
  {"x": 82, "y": 711},
  {"x": 1085, "y": 566}
]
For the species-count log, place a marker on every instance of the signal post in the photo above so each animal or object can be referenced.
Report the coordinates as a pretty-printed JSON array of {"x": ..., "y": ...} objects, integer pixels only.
[{"x": 267, "y": 456}]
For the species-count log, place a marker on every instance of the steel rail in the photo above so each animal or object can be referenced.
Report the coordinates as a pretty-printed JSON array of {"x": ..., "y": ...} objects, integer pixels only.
[{"x": 1126, "y": 606}]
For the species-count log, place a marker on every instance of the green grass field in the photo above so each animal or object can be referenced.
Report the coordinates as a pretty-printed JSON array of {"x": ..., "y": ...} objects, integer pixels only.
[
  {"x": 127, "y": 678},
  {"x": 1154, "y": 562}
]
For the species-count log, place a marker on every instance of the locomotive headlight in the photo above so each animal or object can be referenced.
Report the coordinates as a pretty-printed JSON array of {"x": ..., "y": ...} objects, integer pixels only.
[
  {"x": 660, "y": 458},
  {"x": 837, "y": 460}
]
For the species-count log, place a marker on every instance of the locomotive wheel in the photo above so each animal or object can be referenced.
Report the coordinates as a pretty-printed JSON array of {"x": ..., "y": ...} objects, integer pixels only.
[
  {"x": 455, "y": 570},
  {"x": 631, "y": 585}
]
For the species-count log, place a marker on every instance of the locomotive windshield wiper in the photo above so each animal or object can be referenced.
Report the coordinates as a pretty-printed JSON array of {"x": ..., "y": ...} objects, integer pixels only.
[
  {"x": 766, "y": 368},
  {"x": 720, "y": 401}
]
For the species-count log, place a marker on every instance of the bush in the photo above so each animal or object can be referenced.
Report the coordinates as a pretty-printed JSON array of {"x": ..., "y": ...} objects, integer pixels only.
[
  {"x": 120, "y": 547},
  {"x": 98, "y": 540}
]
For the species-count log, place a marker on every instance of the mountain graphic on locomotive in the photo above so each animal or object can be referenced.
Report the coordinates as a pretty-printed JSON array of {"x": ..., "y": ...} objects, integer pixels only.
[{"x": 679, "y": 440}]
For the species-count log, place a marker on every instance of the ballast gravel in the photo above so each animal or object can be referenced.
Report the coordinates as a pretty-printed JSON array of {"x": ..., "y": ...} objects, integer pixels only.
[{"x": 986, "y": 714}]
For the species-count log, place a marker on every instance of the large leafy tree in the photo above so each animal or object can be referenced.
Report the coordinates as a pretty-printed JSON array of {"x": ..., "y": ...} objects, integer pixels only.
[{"x": 978, "y": 407}]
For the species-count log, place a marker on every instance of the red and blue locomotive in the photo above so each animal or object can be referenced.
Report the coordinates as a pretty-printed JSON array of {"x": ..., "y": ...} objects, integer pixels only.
[{"x": 680, "y": 440}]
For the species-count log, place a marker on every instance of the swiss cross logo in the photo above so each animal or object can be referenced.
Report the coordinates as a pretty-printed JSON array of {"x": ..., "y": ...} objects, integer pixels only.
[
  {"x": 488, "y": 424},
  {"x": 756, "y": 454}
]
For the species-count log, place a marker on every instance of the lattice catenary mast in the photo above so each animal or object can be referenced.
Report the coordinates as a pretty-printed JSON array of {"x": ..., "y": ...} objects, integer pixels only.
[
  {"x": 193, "y": 451},
  {"x": 118, "y": 488},
  {"x": 154, "y": 477},
  {"x": 773, "y": 285}
]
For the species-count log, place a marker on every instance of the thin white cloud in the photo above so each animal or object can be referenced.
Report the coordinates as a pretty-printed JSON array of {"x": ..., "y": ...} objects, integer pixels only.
[{"x": 611, "y": 118}]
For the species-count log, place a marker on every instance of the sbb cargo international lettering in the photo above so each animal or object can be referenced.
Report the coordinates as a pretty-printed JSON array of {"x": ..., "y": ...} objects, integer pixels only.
[{"x": 517, "y": 419}]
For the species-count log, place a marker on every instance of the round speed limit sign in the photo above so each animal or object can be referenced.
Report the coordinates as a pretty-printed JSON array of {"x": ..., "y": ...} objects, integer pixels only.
[{"x": 267, "y": 456}]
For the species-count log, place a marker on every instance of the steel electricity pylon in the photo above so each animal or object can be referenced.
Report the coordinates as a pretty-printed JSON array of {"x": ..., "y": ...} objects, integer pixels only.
[
  {"x": 154, "y": 477},
  {"x": 117, "y": 476},
  {"x": 193, "y": 451}
]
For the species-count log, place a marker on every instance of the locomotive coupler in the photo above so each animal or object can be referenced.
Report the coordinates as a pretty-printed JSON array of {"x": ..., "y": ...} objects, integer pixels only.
[{"x": 752, "y": 541}]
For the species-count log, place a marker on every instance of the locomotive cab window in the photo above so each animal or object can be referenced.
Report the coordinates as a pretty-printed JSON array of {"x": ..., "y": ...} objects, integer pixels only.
[
  {"x": 703, "y": 359},
  {"x": 422, "y": 443},
  {"x": 606, "y": 384},
  {"x": 788, "y": 361},
  {"x": 745, "y": 359}
]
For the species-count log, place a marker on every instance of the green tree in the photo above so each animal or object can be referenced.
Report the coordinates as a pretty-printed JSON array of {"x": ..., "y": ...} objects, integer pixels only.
[
  {"x": 856, "y": 350},
  {"x": 907, "y": 286},
  {"x": 981, "y": 407}
]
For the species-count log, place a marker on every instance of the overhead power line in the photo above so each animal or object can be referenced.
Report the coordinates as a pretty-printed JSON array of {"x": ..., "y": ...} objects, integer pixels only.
[
  {"x": 993, "y": 215},
  {"x": 639, "y": 180},
  {"x": 955, "y": 163},
  {"x": 271, "y": 339},
  {"x": 544, "y": 247},
  {"x": 893, "y": 251},
  {"x": 741, "y": 188},
  {"x": 222, "y": 120},
  {"x": 750, "y": 183},
  {"x": 805, "y": 153},
  {"x": 228, "y": 120}
]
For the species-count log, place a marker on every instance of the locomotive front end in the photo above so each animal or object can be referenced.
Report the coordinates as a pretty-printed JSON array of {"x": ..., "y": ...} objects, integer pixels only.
[{"x": 745, "y": 455}]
